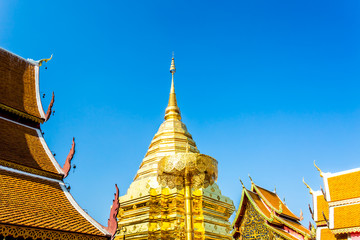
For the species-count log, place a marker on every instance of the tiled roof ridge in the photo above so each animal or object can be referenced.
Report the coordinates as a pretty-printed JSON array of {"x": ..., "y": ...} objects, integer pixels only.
[
  {"x": 281, "y": 203},
  {"x": 37, "y": 113},
  {"x": 21, "y": 113},
  {"x": 67, "y": 194},
  {"x": 52, "y": 159},
  {"x": 30, "y": 61}
]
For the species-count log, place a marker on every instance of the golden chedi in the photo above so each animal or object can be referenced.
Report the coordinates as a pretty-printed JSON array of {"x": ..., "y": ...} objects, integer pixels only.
[{"x": 174, "y": 194}]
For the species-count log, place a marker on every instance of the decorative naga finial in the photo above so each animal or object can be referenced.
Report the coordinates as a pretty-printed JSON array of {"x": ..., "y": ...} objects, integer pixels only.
[
  {"x": 49, "y": 110},
  {"x": 44, "y": 60},
  {"x": 251, "y": 179},
  {"x": 301, "y": 215},
  {"x": 275, "y": 189},
  {"x": 242, "y": 183},
  {"x": 310, "y": 190},
  {"x": 67, "y": 165},
  {"x": 112, "y": 221},
  {"x": 321, "y": 173}
]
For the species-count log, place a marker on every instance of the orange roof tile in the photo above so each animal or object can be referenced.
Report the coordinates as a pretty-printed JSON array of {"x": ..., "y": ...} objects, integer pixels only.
[
  {"x": 22, "y": 146},
  {"x": 344, "y": 186},
  {"x": 33, "y": 202},
  {"x": 321, "y": 206},
  {"x": 346, "y": 216},
  {"x": 17, "y": 84},
  {"x": 326, "y": 234},
  {"x": 274, "y": 201}
]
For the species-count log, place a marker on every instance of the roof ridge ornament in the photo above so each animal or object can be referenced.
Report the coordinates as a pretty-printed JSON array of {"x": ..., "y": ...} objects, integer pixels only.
[
  {"x": 67, "y": 165},
  {"x": 321, "y": 173},
  {"x": 242, "y": 183},
  {"x": 251, "y": 180},
  {"x": 44, "y": 60},
  {"x": 49, "y": 110},
  {"x": 310, "y": 190}
]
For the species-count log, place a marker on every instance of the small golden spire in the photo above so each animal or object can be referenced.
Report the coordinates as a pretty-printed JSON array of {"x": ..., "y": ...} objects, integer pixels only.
[
  {"x": 172, "y": 111},
  {"x": 242, "y": 183},
  {"x": 251, "y": 179},
  {"x": 321, "y": 173}
]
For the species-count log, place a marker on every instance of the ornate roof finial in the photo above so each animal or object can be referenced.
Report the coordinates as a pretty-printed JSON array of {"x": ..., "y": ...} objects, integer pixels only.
[
  {"x": 275, "y": 189},
  {"x": 49, "y": 110},
  {"x": 301, "y": 215},
  {"x": 112, "y": 221},
  {"x": 311, "y": 191},
  {"x": 251, "y": 179},
  {"x": 44, "y": 60},
  {"x": 321, "y": 173},
  {"x": 172, "y": 111},
  {"x": 242, "y": 183},
  {"x": 67, "y": 165}
]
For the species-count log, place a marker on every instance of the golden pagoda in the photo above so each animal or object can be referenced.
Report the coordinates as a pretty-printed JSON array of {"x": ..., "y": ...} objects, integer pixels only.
[{"x": 173, "y": 195}]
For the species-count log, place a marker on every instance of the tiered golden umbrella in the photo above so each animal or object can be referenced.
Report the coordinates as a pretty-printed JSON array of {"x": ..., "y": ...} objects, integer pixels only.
[{"x": 187, "y": 170}]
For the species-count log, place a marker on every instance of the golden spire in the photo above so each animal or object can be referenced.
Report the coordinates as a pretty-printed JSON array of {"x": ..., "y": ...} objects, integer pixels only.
[{"x": 172, "y": 111}]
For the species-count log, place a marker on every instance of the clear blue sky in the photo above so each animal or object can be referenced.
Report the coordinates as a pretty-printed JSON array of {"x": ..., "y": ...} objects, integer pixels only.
[{"x": 265, "y": 87}]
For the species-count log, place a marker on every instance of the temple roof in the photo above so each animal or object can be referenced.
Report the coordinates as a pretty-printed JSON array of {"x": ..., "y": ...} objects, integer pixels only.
[
  {"x": 24, "y": 148},
  {"x": 343, "y": 185},
  {"x": 345, "y": 217},
  {"x": 27, "y": 200},
  {"x": 19, "y": 84},
  {"x": 273, "y": 200},
  {"x": 263, "y": 200},
  {"x": 339, "y": 202},
  {"x": 325, "y": 233},
  {"x": 34, "y": 202},
  {"x": 321, "y": 206},
  {"x": 172, "y": 136}
]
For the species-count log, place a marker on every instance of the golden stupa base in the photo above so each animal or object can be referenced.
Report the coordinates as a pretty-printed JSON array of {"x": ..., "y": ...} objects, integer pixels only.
[{"x": 153, "y": 212}]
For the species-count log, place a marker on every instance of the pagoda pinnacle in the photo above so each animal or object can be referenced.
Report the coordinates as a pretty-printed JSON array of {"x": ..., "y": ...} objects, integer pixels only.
[{"x": 172, "y": 111}]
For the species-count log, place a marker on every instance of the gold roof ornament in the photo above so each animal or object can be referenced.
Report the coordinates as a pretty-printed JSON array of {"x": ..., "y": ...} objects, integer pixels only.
[
  {"x": 311, "y": 191},
  {"x": 251, "y": 179},
  {"x": 44, "y": 60},
  {"x": 321, "y": 173},
  {"x": 242, "y": 183}
]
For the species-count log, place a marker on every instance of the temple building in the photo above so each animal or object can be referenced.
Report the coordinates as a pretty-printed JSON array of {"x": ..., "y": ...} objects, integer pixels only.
[
  {"x": 34, "y": 201},
  {"x": 173, "y": 195},
  {"x": 262, "y": 215},
  {"x": 336, "y": 208}
]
